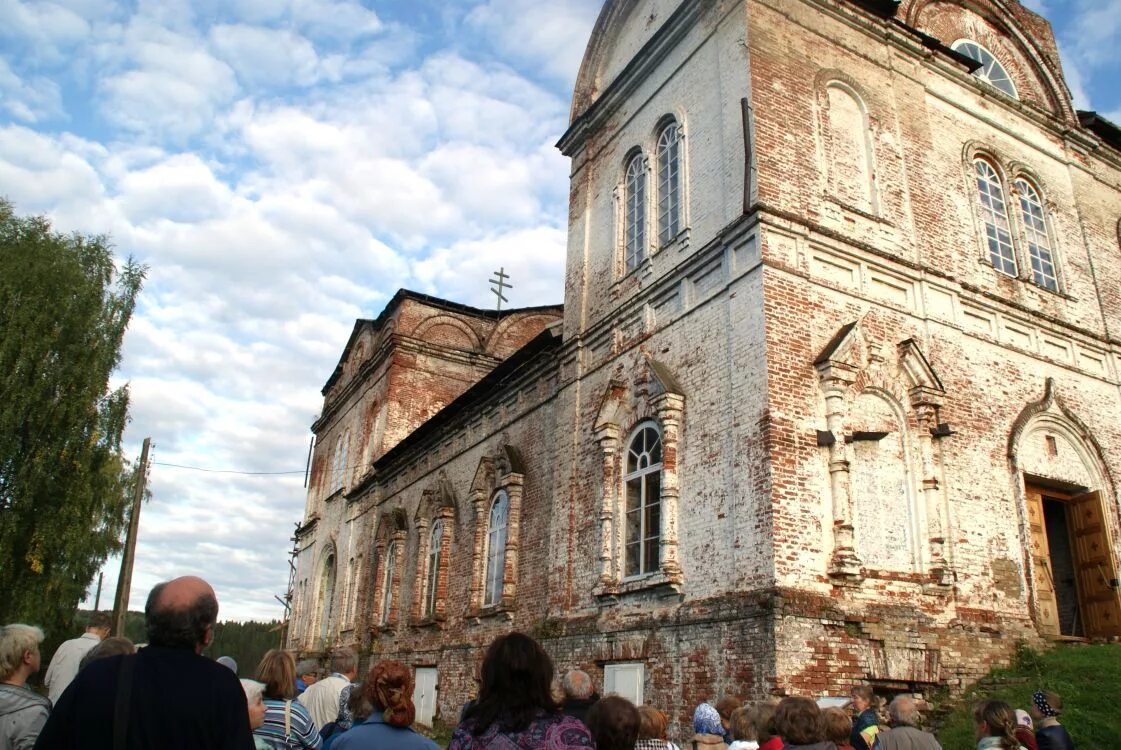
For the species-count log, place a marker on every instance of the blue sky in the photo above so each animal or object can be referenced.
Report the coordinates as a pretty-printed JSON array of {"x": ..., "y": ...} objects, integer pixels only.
[{"x": 283, "y": 166}]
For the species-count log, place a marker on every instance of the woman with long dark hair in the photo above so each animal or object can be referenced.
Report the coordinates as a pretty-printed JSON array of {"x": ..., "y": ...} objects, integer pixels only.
[
  {"x": 389, "y": 688},
  {"x": 515, "y": 707}
]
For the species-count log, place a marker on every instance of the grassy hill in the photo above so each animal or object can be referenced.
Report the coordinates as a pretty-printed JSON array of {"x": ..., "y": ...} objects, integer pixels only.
[{"x": 1087, "y": 677}]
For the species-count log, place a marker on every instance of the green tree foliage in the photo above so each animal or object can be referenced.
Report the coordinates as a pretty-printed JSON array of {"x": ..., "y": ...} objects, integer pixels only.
[
  {"x": 244, "y": 642},
  {"x": 64, "y": 308}
]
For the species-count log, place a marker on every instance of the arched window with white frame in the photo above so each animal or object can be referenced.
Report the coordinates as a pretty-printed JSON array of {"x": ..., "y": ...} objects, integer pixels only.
[
  {"x": 432, "y": 582},
  {"x": 669, "y": 183},
  {"x": 643, "y": 491},
  {"x": 389, "y": 583},
  {"x": 994, "y": 216},
  {"x": 634, "y": 212},
  {"x": 991, "y": 71},
  {"x": 496, "y": 549},
  {"x": 1036, "y": 236}
]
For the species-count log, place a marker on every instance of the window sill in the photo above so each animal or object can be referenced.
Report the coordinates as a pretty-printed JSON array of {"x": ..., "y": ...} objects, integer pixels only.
[
  {"x": 680, "y": 242},
  {"x": 658, "y": 584},
  {"x": 1025, "y": 280},
  {"x": 337, "y": 492},
  {"x": 434, "y": 621},
  {"x": 861, "y": 212},
  {"x": 503, "y": 610}
]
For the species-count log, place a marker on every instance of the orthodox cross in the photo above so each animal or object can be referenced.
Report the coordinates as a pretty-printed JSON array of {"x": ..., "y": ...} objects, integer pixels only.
[{"x": 499, "y": 283}]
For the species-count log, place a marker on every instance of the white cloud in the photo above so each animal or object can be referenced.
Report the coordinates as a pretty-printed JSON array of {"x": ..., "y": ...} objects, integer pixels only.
[
  {"x": 282, "y": 169},
  {"x": 266, "y": 57},
  {"x": 171, "y": 88},
  {"x": 1095, "y": 31},
  {"x": 534, "y": 259},
  {"x": 552, "y": 35},
  {"x": 180, "y": 188},
  {"x": 28, "y": 101}
]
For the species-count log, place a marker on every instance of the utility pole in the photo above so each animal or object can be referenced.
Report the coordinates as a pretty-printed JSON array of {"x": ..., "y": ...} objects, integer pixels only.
[
  {"x": 124, "y": 580},
  {"x": 97, "y": 597}
]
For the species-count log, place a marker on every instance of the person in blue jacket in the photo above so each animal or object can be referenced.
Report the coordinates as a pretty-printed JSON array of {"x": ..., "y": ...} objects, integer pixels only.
[
  {"x": 1049, "y": 733},
  {"x": 389, "y": 686}
]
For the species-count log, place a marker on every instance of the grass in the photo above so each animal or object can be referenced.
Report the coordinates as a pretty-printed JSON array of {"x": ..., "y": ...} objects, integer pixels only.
[{"x": 1087, "y": 677}]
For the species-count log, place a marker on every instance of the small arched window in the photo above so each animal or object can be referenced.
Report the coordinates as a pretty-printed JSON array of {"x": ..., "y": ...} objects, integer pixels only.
[
  {"x": 635, "y": 212},
  {"x": 643, "y": 483},
  {"x": 389, "y": 582},
  {"x": 994, "y": 216},
  {"x": 496, "y": 549},
  {"x": 669, "y": 183},
  {"x": 991, "y": 71},
  {"x": 1035, "y": 234},
  {"x": 432, "y": 584}
]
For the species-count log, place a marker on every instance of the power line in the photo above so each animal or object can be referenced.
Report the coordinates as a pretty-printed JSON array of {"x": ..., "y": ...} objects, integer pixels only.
[{"x": 227, "y": 471}]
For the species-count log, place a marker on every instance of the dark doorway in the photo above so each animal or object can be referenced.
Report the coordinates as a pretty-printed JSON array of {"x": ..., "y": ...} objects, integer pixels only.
[{"x": 1062, "y": 566}]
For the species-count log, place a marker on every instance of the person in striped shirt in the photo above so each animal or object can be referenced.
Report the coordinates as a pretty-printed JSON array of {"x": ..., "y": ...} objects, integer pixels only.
[{"x": 288, "y": 725}]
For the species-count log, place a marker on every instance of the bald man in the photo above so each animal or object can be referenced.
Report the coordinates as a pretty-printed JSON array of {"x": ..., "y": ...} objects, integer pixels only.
[{"x": 165, "y": 696}]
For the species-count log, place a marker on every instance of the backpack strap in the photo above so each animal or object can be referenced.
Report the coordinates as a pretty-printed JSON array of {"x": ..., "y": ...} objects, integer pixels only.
[
  {"x": 124, "y": 702},
  {"x": 288, "y": 720}
]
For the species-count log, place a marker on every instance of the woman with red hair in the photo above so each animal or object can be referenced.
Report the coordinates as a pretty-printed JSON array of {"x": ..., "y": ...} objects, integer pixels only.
[{"x": 389, "y": 687}]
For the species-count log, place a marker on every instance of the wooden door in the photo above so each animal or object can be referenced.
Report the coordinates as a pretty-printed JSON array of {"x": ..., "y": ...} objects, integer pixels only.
[
  {"x": 1046, "y": 604},
  {"x": 1098, "y": 597}
]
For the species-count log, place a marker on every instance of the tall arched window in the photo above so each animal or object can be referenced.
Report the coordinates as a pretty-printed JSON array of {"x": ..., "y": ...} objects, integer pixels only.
[
  {"x": 432, "y": 584},
  {"x": 1035, "y": 234},
  {"x": 338, "y": 466},
  {"x": 669, "y": 183},
  {"x": 496, "y": 549},
  {"x": 991, "y": 71},
  {"x": 389, "y": 582},
  {"x": 635, "y": 212},
  {"x": 994, "y": 215},
  {"x": 643, "y": 482},
  {"x": 327, "y": 595}
]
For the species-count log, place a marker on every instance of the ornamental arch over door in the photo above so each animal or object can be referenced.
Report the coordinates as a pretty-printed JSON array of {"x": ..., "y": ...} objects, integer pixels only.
[{"x": 1070, "y": 519}]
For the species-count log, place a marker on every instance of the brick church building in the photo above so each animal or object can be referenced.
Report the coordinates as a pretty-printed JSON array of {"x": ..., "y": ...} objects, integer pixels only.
[{"x": 833, "y": 396}]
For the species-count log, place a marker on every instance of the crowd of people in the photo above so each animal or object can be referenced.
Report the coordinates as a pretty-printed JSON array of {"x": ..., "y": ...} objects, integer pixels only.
[{"x": 103, "y": 693}]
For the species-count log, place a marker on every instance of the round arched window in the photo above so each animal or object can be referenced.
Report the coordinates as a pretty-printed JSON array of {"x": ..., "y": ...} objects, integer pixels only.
[{"x": 991, "y": 71}]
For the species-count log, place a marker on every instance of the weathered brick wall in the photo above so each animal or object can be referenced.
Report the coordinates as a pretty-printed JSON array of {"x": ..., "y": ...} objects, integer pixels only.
[
  {"x": 848, "y": 507},
  {"x": 915, "y": 269},
  {"x": 393, "y": 378}
]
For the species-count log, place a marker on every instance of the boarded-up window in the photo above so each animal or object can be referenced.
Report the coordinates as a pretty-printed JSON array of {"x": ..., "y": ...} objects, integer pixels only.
[
  {"x": 849, "y": 150},
  {"x": 883, "y": 512}
]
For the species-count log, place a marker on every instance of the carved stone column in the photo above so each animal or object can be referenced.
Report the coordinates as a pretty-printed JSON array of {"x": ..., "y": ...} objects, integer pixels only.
[
  {"x": 669, "y": 408},
  {"x": 927, "y": 412},
  {"x": 608, "y": 439},
  {"x": 479, "y": 501},
  {"x": 512, "y": 483},
  {"x": 399, "y": 538},
  {"x": 422, "y": 568},
  {"x": 836, "y": 378}
]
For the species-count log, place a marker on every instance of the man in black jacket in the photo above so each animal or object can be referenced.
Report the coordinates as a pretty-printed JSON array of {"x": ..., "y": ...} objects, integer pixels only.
[{"x": 165, "y": 696}]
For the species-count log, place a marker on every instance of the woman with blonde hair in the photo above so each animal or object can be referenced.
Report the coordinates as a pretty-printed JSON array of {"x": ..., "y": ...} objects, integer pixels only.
[
  {"x": 389, "y": 688},
  {"x": 995, "y": 723},
  {"x": 288, "y": 725}
]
